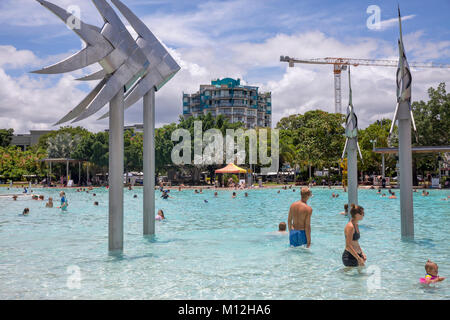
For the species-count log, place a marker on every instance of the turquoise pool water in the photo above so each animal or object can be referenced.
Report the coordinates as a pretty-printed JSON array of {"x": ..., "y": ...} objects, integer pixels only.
[{"x": 222, "y": 249}]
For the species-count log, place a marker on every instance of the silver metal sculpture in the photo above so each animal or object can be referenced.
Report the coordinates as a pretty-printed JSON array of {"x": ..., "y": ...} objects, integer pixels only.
[
  {"x": 351, "y": 147},
  {"x": 403, "y": 113},
  {"x": 131, "y": 69}
]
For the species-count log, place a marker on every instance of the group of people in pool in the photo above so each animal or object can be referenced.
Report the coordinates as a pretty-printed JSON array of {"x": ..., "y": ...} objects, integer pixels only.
[
  {"x": 299, "y": 226},
  {"x": 49, "y": 204}
]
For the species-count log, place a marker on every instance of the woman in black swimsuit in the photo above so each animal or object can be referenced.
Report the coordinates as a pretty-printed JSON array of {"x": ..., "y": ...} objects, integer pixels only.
[{"x": 353, "y": 255}]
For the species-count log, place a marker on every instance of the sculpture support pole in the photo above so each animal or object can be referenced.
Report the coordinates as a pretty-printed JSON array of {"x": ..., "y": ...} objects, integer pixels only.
[
  {"x": 382, "y": 165},
  {"x": 405, "y": 164},
  {"x": 352, "y": 172},
  {"x": 149, "y": 163},
  {"x": 115, "y": 174}
]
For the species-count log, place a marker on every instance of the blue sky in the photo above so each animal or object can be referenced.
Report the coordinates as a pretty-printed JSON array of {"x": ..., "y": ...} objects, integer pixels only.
[{"x": 244, "y": 39}]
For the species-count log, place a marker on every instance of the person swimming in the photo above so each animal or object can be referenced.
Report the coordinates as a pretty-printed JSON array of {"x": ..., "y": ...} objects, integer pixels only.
[
  {"x": 432, "y": 273},
  {"x": 393, "y": 196},
  {"x": 165, "y": 195},
  {"x": 282, "y": 228},
  {"x": 345, "y": 212},
  {"x": 26, "y": 211},
  {"x": 96, "y": 203},
  {"x": 49, "y": 204},
  {"x": 160, "y": 215},
  {"x": 234, "y": 195}
]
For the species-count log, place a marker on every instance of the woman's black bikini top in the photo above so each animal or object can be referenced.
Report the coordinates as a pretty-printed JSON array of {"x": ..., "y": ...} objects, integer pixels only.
[{"x": 356, "y": 235}]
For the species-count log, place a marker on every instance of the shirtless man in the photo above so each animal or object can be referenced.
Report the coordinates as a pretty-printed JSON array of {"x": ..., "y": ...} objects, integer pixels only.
[{"x": 299, "y": 221}]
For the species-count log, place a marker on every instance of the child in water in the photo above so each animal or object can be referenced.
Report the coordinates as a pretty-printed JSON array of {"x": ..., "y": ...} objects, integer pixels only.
[
  {"x": 49, "y": 204},
  {"x": 345, "y": 212},
  {"x": 432, "y": 273},
  {"x": 282, "y": 228},
  {"x": 160, "y": 215},
  {"x": 64, "y": 203}
]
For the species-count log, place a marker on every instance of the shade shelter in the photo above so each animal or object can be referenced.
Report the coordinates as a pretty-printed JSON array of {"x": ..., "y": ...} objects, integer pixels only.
[
  {"x": 231, "y": 168},
  {"x": 66, "y": 161},
  {"x": 419, "y": 149}
]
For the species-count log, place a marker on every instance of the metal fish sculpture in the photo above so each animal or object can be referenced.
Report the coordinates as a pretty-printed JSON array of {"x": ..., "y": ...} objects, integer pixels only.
[
  {"x": 404, "y": 81},
  {"x": 134, "y": 66},
  {"x": 351, "y": 121}
]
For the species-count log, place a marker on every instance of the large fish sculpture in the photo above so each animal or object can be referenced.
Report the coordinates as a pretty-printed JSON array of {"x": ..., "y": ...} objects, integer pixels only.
[
  {"x": 132, "y": 65},
  {"x": 351, "y": 121},
  {"x": 404, "y": 81}
]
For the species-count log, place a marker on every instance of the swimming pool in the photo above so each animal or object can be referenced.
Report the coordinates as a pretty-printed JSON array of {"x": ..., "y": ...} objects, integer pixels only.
[{"x": 222, "y": 249}]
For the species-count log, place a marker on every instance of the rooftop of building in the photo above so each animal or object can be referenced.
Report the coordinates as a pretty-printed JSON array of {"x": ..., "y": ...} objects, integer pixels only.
[{"x": 226, "y": 83}]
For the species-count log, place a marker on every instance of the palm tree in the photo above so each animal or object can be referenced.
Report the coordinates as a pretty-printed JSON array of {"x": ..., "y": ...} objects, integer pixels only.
[{"x": 62, "y": 145}]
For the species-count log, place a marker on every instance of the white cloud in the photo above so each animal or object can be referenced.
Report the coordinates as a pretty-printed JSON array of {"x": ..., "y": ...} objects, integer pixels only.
[
  {"x": 385, "y": 24},
  {"x": 30, "y": 13},
  {"x": 207, "y": 48}
]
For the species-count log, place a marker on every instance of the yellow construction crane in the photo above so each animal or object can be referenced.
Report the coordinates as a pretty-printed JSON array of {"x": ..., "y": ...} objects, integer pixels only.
[{"x": 340, "y": 64}]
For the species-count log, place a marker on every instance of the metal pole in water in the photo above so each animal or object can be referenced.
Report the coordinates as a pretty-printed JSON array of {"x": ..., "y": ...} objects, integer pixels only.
[
  {"x": 149, "y": 163},
  {"x": 405, "y": 166},
  {"x": 115, "y": 173},
  {"x": 352, "y": 172}
]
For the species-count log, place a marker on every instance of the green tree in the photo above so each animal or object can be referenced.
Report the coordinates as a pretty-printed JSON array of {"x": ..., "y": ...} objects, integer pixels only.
[
  {"x": 316, "y": 136},
  {"x": 133, "y": 151},
  {"x": 15, "y": 163},
  {"x": 6, "y": 137},
  {"x": 377, "y": 132},
  {"x": 433, "y": 127},
  {"x": 73, "y": 131},
  {"x": 62, "y": 145}
]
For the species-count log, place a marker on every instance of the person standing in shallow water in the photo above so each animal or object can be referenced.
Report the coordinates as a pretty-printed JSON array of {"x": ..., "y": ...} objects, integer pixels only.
[
  {"x": 353, "y": 255},
  {"x": 299, "y": 220}
]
